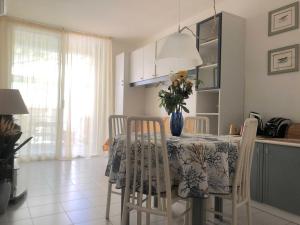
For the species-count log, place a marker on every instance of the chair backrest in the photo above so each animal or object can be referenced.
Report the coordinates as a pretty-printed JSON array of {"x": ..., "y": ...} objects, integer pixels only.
[
  {"x": 117, "y": 126},
  {"x": 147, "y": 165},
  {"x": 241, "y": 182},
  {"x": 166, "y": 121},
  {"x": 196, "y": 125}
]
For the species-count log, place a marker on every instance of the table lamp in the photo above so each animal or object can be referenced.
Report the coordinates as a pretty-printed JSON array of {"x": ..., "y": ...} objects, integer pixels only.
[{"x": 11, "y": 103}]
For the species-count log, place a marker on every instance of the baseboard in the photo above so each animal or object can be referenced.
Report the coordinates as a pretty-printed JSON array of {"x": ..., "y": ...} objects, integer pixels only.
[{"x": 277, "y": 212}]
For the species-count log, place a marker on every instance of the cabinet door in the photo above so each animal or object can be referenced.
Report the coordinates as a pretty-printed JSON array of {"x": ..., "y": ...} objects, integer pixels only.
[
  {"x": 256, "y": 173},
  {"x": 282, "y": 183},
  {"x": 149, "y": 61},
  {"x": 136, "y": 65},
  {"x": 161, "y": 69},
  {"x": 209, "y": 45},
  {"x": 119, "y": 83}
]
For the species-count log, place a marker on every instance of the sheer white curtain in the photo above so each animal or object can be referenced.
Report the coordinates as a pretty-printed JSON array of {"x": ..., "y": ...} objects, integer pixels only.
[
  {"x": 87, "y": 95},
  {"x": 4, "y": 53},
  {"x": 66, "y": 82},
  {"x": 35, "y": 72}
]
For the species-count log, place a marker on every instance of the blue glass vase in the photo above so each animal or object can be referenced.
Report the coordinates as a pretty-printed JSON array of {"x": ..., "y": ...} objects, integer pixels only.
[{"x": 176, "y": 123}]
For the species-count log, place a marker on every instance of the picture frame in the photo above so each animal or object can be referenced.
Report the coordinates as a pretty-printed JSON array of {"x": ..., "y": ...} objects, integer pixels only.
[
  {"x": 284, "y": 19},
  {"x": 283, "y": 60}
]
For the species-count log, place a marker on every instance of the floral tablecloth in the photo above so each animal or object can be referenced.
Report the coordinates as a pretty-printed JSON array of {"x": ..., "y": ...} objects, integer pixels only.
[{"x": 199, "y": 164}]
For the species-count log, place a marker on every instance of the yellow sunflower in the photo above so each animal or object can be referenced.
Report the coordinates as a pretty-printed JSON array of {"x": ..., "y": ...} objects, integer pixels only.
[{"x": 182, "y": 74}]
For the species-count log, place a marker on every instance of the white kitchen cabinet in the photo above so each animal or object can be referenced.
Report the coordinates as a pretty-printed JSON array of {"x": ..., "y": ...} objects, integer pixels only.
[
  {"x": 119, "y": 83},
  {"x": 123, "y": 92},
  {"x": 136, "y": 65},
  {"x": 149, "y": 53}
]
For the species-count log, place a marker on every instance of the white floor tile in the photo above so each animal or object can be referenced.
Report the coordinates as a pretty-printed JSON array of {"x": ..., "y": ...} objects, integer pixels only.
[
  {"x": 57, "y": 219},
  {"x": 80, "y": 216},
  {"x": 74, "y": 192},
  {"x": 96, "y": 222},
  {"x": 70, "y": 196},
  {"x": 267, "y": 219},
  {"x": 42, "y": 200},
  {"x": 19, "y": 214},
  {"x": 19, "y": 222},
  {"x": 77, "y": 204},
  {"x": 45, "y": 210}
]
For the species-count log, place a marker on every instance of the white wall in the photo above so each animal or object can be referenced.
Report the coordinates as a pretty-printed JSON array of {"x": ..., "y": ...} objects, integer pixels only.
[
  {"x": 134, "y": 98},
  {"x": 277, "y": 95}
]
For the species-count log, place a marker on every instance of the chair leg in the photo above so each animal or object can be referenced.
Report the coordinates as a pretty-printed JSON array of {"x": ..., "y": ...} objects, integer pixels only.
[
  {"x": 108, "y": 200},
  {"x": 249, "y": 212},
  {"x": 169, "y": 220},
  {"x": 125, "y": 215},
  {"x": 147, "y": 218},
  {"x": 188, "y": 215},
  {"x": 234, "y": 214},
  {"x": 138, "y": 218}
]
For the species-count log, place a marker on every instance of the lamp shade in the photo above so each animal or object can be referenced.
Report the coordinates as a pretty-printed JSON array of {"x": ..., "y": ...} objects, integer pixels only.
[
  {"x": 11, "y": 102},
  {"x": 179, "y": 52}
]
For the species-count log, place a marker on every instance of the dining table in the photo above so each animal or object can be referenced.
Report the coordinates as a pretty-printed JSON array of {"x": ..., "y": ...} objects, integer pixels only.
[{"x": 199, "y": 165}]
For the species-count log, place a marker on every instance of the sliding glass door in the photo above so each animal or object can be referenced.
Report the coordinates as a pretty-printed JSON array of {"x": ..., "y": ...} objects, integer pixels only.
[
  {"x": 36, "y": 72},
  {"x": 65, "y": 80}
]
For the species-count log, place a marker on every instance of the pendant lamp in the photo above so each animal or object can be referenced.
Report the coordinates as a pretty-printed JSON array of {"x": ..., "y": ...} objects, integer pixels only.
[{"x": 179, "y": 51}]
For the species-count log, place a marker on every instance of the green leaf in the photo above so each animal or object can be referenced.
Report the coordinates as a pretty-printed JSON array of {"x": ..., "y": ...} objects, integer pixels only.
[{"x": 185, "y": 109}]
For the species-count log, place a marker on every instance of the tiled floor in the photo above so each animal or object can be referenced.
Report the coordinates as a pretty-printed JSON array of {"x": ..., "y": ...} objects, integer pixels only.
[{"x": 74, "y": 192}]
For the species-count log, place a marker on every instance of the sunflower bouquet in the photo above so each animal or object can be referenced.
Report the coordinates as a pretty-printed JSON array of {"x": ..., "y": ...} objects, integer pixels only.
[{"x": 173, "y": 99}]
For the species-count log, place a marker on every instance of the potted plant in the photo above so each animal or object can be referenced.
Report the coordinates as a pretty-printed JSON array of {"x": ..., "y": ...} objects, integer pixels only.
[
  {"x": 173, "y": 100},
  {"x": 9, "y": 135}
]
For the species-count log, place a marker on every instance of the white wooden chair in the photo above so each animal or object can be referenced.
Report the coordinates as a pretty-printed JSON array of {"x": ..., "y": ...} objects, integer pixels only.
[
  {"x": 117, "y": 126},
  {"x": 145, "y": 151},
  {"x": 240, "y": 194},
  {"x": 196, "y": 125}
]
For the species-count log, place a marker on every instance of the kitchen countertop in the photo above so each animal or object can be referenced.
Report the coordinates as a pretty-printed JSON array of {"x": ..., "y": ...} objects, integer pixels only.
[
  {"x": 279, "y": 141},
  {"x": 274, "y": 141}
]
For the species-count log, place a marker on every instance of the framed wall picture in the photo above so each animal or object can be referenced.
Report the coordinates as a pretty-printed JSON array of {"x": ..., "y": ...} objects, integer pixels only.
[
  {"x": 283, "y": 60},
  {"x": 284, "y": 19}
]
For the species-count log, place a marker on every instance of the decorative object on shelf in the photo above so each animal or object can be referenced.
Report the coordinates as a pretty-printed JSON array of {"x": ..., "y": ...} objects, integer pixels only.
[
  {"x": 233, "y": 130},
  {"x": 283, "y": 60},
  {"x": 284, "y": 19},
  {"x": 173, "y": 100},
  {"x": 260, "y": 126},
  {"x": 11, "y": 103}
]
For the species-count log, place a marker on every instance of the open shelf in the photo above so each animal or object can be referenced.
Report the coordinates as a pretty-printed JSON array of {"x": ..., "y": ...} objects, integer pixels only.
[
  {"x": 213, "y": 124},
  {"x": 208, "y": 66},
  {"x": 216, "y": 90},
  {"x": 207, "y": 103},
  {"x": 209, "y": 43},
  {"x": 208, "y": 114}
]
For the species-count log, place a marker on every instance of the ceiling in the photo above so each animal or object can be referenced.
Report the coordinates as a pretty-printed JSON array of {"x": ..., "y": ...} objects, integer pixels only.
[{"x": 122, "y": 19}]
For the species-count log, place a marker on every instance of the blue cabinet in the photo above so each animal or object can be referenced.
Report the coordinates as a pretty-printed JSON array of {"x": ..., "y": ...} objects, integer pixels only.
[
  {"x": 275, "y": 176},
  {"x": 256, "y": 173}
]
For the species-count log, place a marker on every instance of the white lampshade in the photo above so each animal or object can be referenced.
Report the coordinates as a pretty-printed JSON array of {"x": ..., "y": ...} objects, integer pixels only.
[
  {"x": 179, "y": 52},
  {"x": 11, "y": 102}
]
